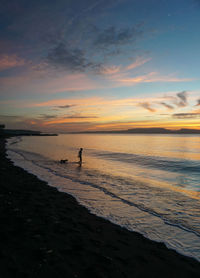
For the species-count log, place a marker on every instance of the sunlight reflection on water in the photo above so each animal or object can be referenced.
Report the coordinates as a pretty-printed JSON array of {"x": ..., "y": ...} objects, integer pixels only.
[{"x": 148, "y": 183}]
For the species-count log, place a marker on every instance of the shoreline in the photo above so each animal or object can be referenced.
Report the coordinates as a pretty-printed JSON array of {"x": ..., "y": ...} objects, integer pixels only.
[{"x": 46, "y": 233}]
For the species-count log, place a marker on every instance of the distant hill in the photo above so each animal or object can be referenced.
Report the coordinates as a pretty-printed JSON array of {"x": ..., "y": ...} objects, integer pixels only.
[
  {"x": 164, "y": 131},
  {"x": 23, "y": 132},
  {"x": 149, "y": 131}
]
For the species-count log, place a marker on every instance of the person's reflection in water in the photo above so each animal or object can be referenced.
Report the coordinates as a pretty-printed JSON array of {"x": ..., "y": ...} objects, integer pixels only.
[
  {"x": 80, "y": 156},
  {"x": 79, "y": 168}
]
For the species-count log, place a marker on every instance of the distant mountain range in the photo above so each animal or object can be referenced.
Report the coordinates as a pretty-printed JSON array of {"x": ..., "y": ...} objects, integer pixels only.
[
  {"x": 150, "y": 131},
  {"x": 154, "y": 130}
]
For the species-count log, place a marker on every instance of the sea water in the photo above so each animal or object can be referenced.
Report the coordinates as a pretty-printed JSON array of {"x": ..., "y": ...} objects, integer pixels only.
[{"x": 145, "y": 183}]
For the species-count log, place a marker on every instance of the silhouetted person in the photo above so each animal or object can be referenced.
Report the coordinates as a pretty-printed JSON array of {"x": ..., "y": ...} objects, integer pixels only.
[{"x": 80, "y": 155}]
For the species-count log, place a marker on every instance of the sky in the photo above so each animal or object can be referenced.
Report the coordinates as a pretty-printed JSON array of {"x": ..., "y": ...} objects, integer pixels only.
[{"x": 87, "y": 65}]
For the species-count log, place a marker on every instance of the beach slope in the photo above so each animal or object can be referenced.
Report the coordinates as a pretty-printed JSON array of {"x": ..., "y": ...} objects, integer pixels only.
[{"x": 46, "y": 233}]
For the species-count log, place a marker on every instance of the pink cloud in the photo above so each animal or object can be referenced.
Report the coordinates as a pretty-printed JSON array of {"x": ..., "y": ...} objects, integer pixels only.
[
  {"x": 139, "y": 62},
  {"x": 11, "y": 61},
  {"x": 72, "y": 82},
  {"x": 79, "y": 101},
  {"x": 113, "y": 70},
  {"x": 122, "y": 76},
  {"x": 32, "y": 83},
  {"x": 110, "y": 70},
  {"x": 151, "y": 77}
]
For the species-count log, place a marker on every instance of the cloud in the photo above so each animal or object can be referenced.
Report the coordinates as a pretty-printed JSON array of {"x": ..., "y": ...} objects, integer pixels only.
[
  {"x": 110, "y": 70},
  {"x": 182, "y": 99},
  {"x": 139, "y": 62},
  {"x": 117, "y": 37},
  {"x": 186, "y": 115},
  {"x": 10, "y": 61},
  {"x": 47, "y": 117},
  {"x": 81, "y": 101},
  {"x": 119, "y": 71},
  {"x": 20, "y": 122},
  {"x": 169, "y": 106},
  {"x": 150, "y": 78},
  {"x": 198, "y": 102},
  {"x": 10, "y": 117},
  {"x": 71, "y": 119},
  {"x": 31, "y": 83},
  {"x": 70, "y": 59},
  {"x": 147, "y": 106},
  {"x": 81, "y": 117},
  {"x": 80, "y": 52},
  {"x": 91, "y": 8},
  {"x": 65, "y": 106}
]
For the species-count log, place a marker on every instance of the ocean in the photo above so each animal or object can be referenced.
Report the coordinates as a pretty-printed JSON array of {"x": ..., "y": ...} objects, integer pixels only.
[{"x": 146, "y": 183}]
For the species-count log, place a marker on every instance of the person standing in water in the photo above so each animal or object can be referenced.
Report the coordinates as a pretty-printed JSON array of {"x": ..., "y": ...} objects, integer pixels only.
[{"x": 80, "y": 155}]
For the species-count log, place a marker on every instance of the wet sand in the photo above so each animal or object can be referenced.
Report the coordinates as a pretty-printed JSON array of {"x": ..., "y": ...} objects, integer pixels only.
[{"x": 46, "y": 233}]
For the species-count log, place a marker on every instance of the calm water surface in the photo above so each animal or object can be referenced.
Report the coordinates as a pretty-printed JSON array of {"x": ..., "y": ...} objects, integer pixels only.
[{"x": 146, "y": 183}]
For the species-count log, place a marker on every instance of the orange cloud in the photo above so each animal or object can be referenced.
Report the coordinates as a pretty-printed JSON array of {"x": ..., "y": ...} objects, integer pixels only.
[
  {"x": 100, "y": 102},
  {"x": 121, "y": 75},
  {"x": 113, "y": 70},
  {"x": 11, "y": 61},
  {"x": 147, "y": 106},
  {"x": 151, "y": 77},
  {"x": 92, "y": 122}
]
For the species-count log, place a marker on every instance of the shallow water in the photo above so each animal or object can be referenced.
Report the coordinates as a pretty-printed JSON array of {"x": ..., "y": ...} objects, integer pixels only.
[{"x": 146, "y": 183}]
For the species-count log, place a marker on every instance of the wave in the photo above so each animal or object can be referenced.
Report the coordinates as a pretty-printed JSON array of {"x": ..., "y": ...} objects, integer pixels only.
[
  {"x": 163, "y": 163},
  {"x": 14, "y": 140}
]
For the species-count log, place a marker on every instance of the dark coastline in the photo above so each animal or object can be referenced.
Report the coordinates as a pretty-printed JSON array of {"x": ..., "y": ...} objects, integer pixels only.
[{"x": 46, "y": 233}]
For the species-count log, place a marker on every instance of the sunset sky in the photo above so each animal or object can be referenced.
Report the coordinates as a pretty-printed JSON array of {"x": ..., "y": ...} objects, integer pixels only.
[{"x": 99, "y": 65}]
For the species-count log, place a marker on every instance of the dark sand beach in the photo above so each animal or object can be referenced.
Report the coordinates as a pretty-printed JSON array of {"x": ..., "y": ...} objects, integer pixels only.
[{"x": 46, "y": 233}]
